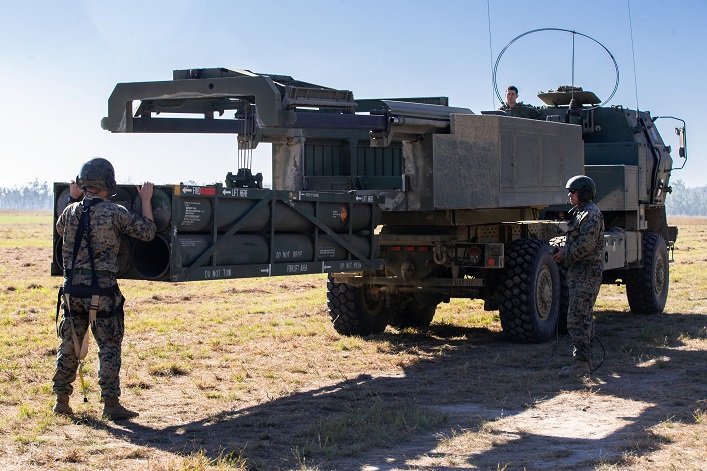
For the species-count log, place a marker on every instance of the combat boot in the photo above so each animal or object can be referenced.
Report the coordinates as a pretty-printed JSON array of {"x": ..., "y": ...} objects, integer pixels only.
[
  {"x": 579, "y": 368},
  {"x": 114, "y": 410},
  {"x": 62, "y": 406}
]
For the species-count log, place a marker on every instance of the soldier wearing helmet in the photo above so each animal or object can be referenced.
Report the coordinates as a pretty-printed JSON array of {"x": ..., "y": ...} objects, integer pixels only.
[
  {"x": 91, "y": 231},
  {"x": 582, "y": 255}
]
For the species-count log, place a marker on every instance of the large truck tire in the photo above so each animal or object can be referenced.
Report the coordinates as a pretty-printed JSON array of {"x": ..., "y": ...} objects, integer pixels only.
[
  {"x": 529, "y": 291},
  {"x": 353, "y": 312},
  {"x": 413, "y": 314},
  {"x": 647, "y": 287}
]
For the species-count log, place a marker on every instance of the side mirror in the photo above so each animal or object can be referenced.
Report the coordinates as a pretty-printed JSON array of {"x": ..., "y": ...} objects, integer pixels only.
[
  {"x": 682, "y": 151},
  {"x": 682, "y": 137}
]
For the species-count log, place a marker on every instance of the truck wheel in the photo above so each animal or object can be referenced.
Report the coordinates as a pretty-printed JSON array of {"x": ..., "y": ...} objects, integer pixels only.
[
  {"x": 414, "y": 314},
  {"x": 353, "y": 311},
  {"x": 647, "y": 287},
  {"x": 529, "y": 291}
]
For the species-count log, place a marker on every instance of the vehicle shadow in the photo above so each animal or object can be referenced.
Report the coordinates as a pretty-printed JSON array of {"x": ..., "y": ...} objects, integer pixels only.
[{"x": 470, "y": 381}]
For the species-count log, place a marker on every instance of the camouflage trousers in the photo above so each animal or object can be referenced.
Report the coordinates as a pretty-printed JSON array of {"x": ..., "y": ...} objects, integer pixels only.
[
  {"x": 108, "y": 332},
  {"x": 580, "y": 315}
]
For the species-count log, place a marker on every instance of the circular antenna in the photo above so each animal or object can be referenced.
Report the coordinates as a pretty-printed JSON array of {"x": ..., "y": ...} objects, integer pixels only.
[{"x": 498, "y": 60}]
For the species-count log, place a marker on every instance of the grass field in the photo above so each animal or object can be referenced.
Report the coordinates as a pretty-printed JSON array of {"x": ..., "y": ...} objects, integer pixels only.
[{"x": 249, "y": 374}]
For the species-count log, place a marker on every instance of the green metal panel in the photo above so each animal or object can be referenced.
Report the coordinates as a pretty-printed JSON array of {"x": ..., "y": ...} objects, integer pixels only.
[
  {"x": 330, "y": 160},
  {"x": 323, "y": 160},
  {"x": 379, "y": 161}
]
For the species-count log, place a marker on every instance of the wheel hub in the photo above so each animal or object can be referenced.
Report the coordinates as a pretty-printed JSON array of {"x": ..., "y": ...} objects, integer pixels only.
[
  {"x": 659, "y": 275},
  {"x": 373, "y": 301},
  {"x": 543, "y": 293}
]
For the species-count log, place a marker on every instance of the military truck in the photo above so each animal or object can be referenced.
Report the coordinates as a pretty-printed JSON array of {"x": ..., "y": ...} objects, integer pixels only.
[{"x": 406, "y": 203}]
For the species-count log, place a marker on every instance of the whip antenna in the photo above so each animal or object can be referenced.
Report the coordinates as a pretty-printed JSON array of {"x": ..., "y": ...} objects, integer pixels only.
[
  {"x": 488, "y": 14},
  {"x": 572, "y": 92},
  {"x": 633, "y": 55}
]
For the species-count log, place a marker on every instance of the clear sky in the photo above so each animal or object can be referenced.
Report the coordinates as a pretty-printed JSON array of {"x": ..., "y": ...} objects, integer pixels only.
[{"x": 61, "y": 60}]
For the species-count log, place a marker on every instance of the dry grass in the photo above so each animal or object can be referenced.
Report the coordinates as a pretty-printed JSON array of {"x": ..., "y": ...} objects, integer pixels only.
[
  {"x": 687, "y": 220},
  {"x": 249, "y": 374}
]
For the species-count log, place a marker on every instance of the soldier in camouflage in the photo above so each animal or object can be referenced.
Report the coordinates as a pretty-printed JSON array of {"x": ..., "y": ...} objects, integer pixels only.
[
  {"x": 516, "y": 108},
  {"x": 582, "y": 255},
  {"x": 92, "y": 270}
]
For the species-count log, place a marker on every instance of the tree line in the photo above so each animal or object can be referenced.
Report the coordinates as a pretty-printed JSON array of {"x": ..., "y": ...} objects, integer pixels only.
[
  {"x": 33, "y": 195},
  {"x": 686, "y": 201},
  {"x": 40, "y": 195}
]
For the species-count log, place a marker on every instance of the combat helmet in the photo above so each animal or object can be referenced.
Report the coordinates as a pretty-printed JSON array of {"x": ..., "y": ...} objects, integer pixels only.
[
  {"x": 97, "y": 172},
  {"x": 584, "y": 185}
]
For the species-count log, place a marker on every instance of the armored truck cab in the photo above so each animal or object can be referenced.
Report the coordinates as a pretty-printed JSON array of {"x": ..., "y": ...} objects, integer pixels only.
[{"x": 631, "y": 165}]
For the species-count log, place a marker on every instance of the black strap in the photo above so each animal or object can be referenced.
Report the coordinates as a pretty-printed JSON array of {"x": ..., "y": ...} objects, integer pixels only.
[
  {"x": 58, "y": 306},
  {"x": 83, "y": 230},
  {"x": 572, "y": 213}
]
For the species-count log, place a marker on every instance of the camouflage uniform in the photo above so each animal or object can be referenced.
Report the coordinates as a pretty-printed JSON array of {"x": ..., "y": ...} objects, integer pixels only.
[
  {"x": 521, "y": 111},
  {"x": 108, "y": 221},
  {"x": 582, "y": 255}
]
